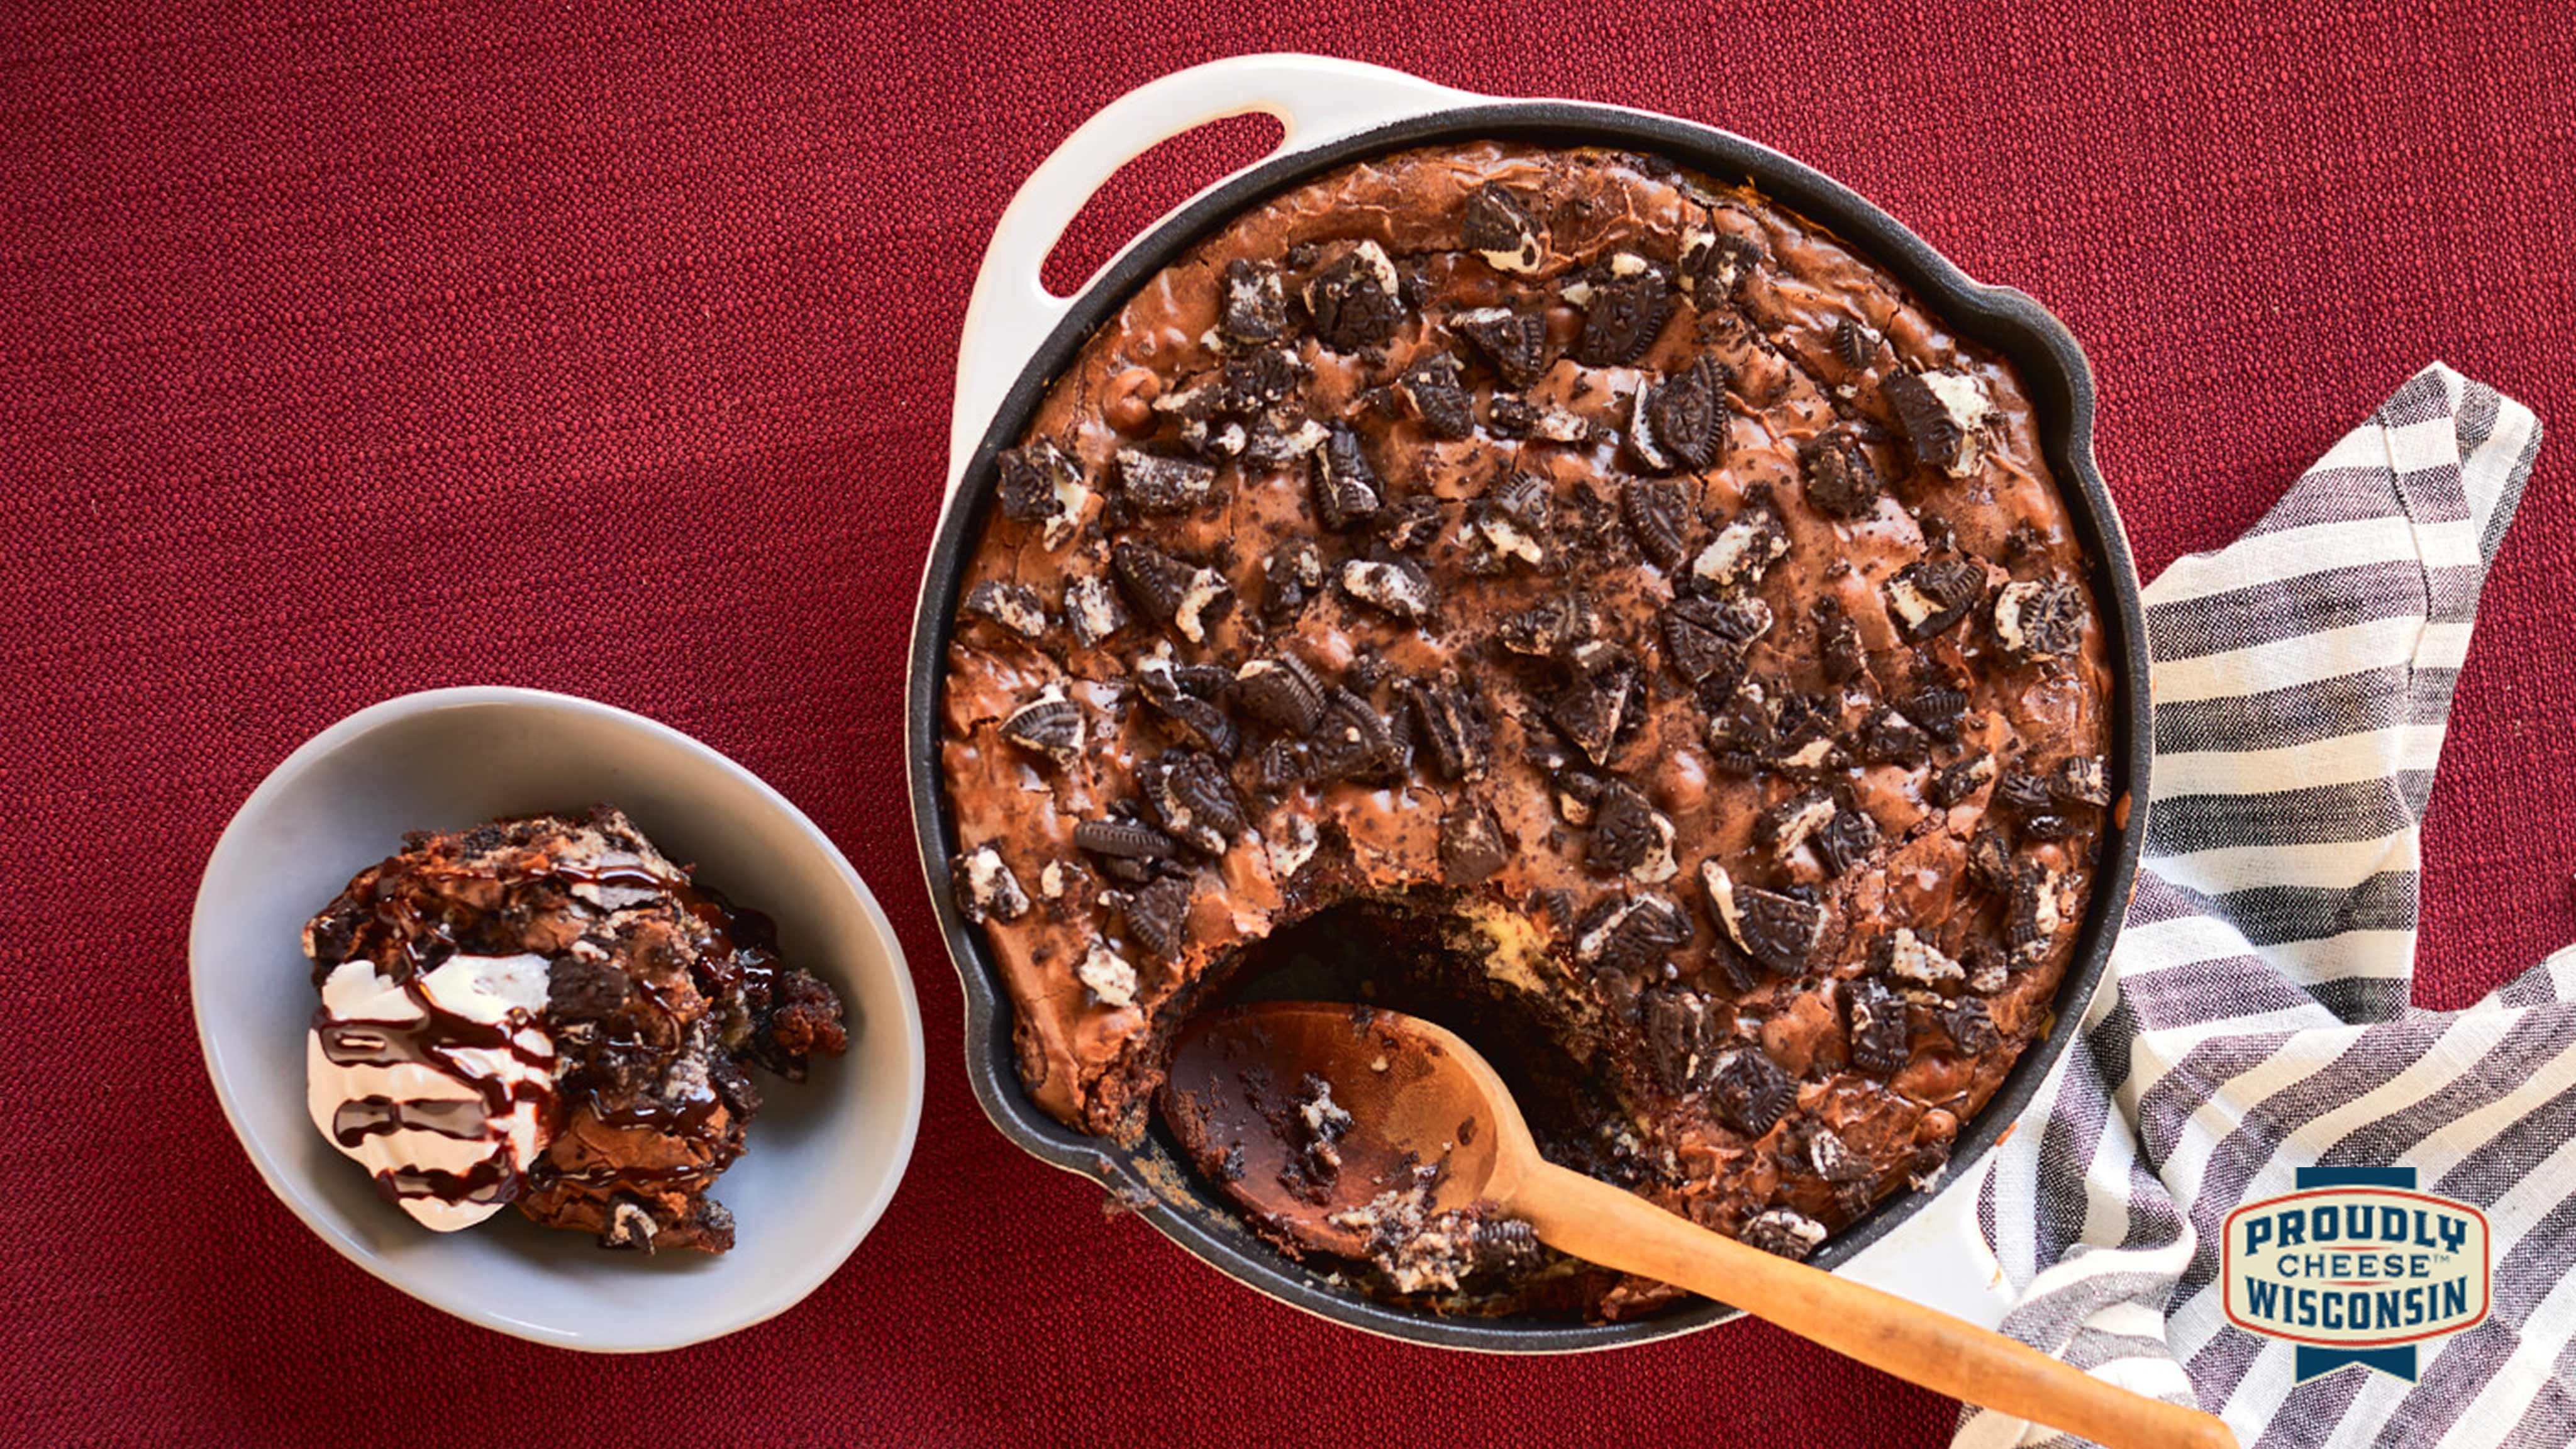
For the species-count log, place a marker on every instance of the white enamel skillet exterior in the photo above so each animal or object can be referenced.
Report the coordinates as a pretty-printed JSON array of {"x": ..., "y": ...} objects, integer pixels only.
[{"x": 1935, "y": 1254}]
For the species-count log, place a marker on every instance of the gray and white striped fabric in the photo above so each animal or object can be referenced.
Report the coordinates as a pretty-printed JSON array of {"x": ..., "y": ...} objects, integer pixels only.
[{"x": 2259, "y": 1019}]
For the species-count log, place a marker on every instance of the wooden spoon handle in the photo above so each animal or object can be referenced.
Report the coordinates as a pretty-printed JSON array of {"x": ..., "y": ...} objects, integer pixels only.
[{"x": 1607, "y": 1225}]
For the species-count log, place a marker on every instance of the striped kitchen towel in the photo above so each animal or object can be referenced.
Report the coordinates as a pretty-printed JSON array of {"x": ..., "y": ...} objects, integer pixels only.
[{"x": 2258, "y": 1021}]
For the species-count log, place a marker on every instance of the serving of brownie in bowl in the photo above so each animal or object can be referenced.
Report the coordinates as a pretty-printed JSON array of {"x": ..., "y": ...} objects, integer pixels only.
[{"x": 1583, "y": 601}]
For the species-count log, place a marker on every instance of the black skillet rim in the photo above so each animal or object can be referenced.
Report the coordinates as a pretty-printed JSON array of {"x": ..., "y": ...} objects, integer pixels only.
[{"x": 2052, "y": 367}]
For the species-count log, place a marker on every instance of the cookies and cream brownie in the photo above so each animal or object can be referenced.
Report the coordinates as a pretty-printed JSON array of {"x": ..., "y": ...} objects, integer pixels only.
[
  {"x": 1601, "y": 592},
  {"x": 548, "y": 1013}
]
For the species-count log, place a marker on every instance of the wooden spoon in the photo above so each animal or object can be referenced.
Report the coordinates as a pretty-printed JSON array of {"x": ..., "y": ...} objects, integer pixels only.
[{"x": 1242, "y": 1096}]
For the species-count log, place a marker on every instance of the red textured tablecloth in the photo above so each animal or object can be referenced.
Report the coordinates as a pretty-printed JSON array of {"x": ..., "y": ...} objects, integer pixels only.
[{"x": 431, "y": 343}]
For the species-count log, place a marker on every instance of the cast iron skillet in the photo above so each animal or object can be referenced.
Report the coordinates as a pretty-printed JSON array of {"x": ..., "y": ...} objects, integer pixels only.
[{"x": 1152, "y": 1177}]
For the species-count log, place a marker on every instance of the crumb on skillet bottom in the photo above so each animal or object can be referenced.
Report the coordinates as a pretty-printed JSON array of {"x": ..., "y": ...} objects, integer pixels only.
[{"x": 1605, "y": 576}]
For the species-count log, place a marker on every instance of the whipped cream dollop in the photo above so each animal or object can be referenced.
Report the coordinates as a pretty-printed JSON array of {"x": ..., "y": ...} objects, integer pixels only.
[{"x": 439, "y": 1085}]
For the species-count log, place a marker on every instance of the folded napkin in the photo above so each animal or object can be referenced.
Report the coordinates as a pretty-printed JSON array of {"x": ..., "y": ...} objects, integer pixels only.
[{"x": 2258, "y": 1017}]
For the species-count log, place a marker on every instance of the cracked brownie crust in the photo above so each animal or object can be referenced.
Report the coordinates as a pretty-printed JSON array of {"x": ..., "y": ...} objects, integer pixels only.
[{"x": 1603, "y": 558}]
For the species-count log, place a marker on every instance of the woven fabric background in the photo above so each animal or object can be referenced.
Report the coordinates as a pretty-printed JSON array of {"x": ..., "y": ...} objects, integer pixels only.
[{"x": 606, "y": 349}]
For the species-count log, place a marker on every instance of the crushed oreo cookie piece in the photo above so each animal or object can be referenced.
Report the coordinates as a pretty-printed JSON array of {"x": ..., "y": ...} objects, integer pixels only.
[
  {"x": 1855, "y": 343},
  {"x": 1657, "y": 514},
  {"x": 1347, "y": 492},
  {"x": 1449, "y": 721},
  {"x": 1357, "y": 302},
  {"x": 1840, "y": 479},
  {"x": 1547, "y": 630},
  {"x": 1050, "y": 725},
  {"x": 1911, "y": 959},
  {"x": 1124, "y": 839},
  {"x": 1742, "y": 730},
  {"x": 1955, "y": 782},
  {"x": 1158, "y": 917},
  {"x": 1631, "y": 837},
  {"x": 1683, "y": 1032},
  {"x": 1705, "y": 638},
  {"x": 1990, "y": 860},
  {"x": 1681, "y": 422},
  {"x": 1625, "y": 301},
  {"x": 1592, "y": 709},
  {"x": 1256, "y": 305},
  {"x": 1743, "y": 551},
  {"x": 1930, "y": 595},
  {"x": 1198, "y": 720},
  {"x": 1432, "y": 391},
  {"x": 1472, "y": 844},
  {"x": 1166, "y": 590},
  {"x": 1779, "y": 931},
  {"x": 986, "y": 889},
  {"x": 1353, "y": 742},
  {"x": 1292, "y": 574},
  {"x": 1092, "y": 610},
  {"x": 1968, "y": 1024},
  {"x": 1397, "y": 587},
  {"x": 1881, "y": 1037},
  {"x": 1783, "y": 1233},
  {"x": 1514, "y": 342},
  {"x": 1501, "y": 228},
  {"x": 1792, "y": 822},
  {"x": 1015, "y": 607},
  {"x": 1748, "y": 1091},
  {"x": 1190, "y": 797},
  {"x": 1281, "y": 691},
  {"x": 2037, "y": 912},
  {"x": 1630, "y": 934},
  {"x": 1042, "y": 486},
  {"x": 1714, "y": 263},
  {"x": 1937, "y": 711},
  {"x": 1943, "y": 414},
  {"x": 1838, "y": 646},
  {"x": 2081, "y": 780},
  {"x": 2040, "y": 620},
  {"x": 1847, "y": 840},
  {"x": 1153, "y": 484}
]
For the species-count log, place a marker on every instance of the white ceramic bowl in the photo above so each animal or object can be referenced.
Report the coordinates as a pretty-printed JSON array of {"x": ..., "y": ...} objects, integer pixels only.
[{"x": 824, "y": 1156}]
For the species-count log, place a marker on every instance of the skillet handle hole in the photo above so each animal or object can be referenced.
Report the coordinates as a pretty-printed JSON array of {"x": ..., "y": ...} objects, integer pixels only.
[{"x": 1150, "y": 185}]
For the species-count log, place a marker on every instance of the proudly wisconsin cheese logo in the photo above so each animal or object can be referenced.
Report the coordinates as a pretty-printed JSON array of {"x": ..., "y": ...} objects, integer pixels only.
[{"x": 2356, "y": 1267}]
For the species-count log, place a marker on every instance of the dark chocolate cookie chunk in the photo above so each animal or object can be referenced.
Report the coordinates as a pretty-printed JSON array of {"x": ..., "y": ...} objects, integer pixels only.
[
  {"x": 1281, "y": 691},
  {"x": 1749, "y": 1092},
  {"x": 1881, "y": 1039},
  {"x": 1840, "y": 478},
  {"x": 1432, "y": 391},
  {"x": 1154, "y": 484},
  {"x": 1191, "y": 799},
  {"x": 1680, "y": 422},
  {"x": 1684, "y": 1030},
  {"x": 1472, "y": 844},
  {"x": 2040, "y": 620},
  {"x": 1015, "y": 607},
  {"x": 1931, "y": 595},
  {"x": 1347, "y": 492},
  {"x": 1169, "y": 591},
  {"x": 1158, "y": 917},
  {"x": 1256, "y": 306},
  {"x": 1501, "y": 228},
  {"x": 1450, "y": 727},
  {"x": 1049, "y": 725},
  {"x": 1514, "y": 342},
  {"x": 1658, "y": 513},
  {"x": 1357, "y": 301},
  {"x": 1625, "y": 301}
]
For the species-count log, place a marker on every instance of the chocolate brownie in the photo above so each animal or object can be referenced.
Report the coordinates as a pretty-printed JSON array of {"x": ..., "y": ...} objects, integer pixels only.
[
  {"x": 1579, "y": 577},
  {"x": 547, "y": 1012}
]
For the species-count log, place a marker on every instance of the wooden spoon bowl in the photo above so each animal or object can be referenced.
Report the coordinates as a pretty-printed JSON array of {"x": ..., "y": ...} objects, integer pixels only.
[{"x": 1305, "y": 1112}]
